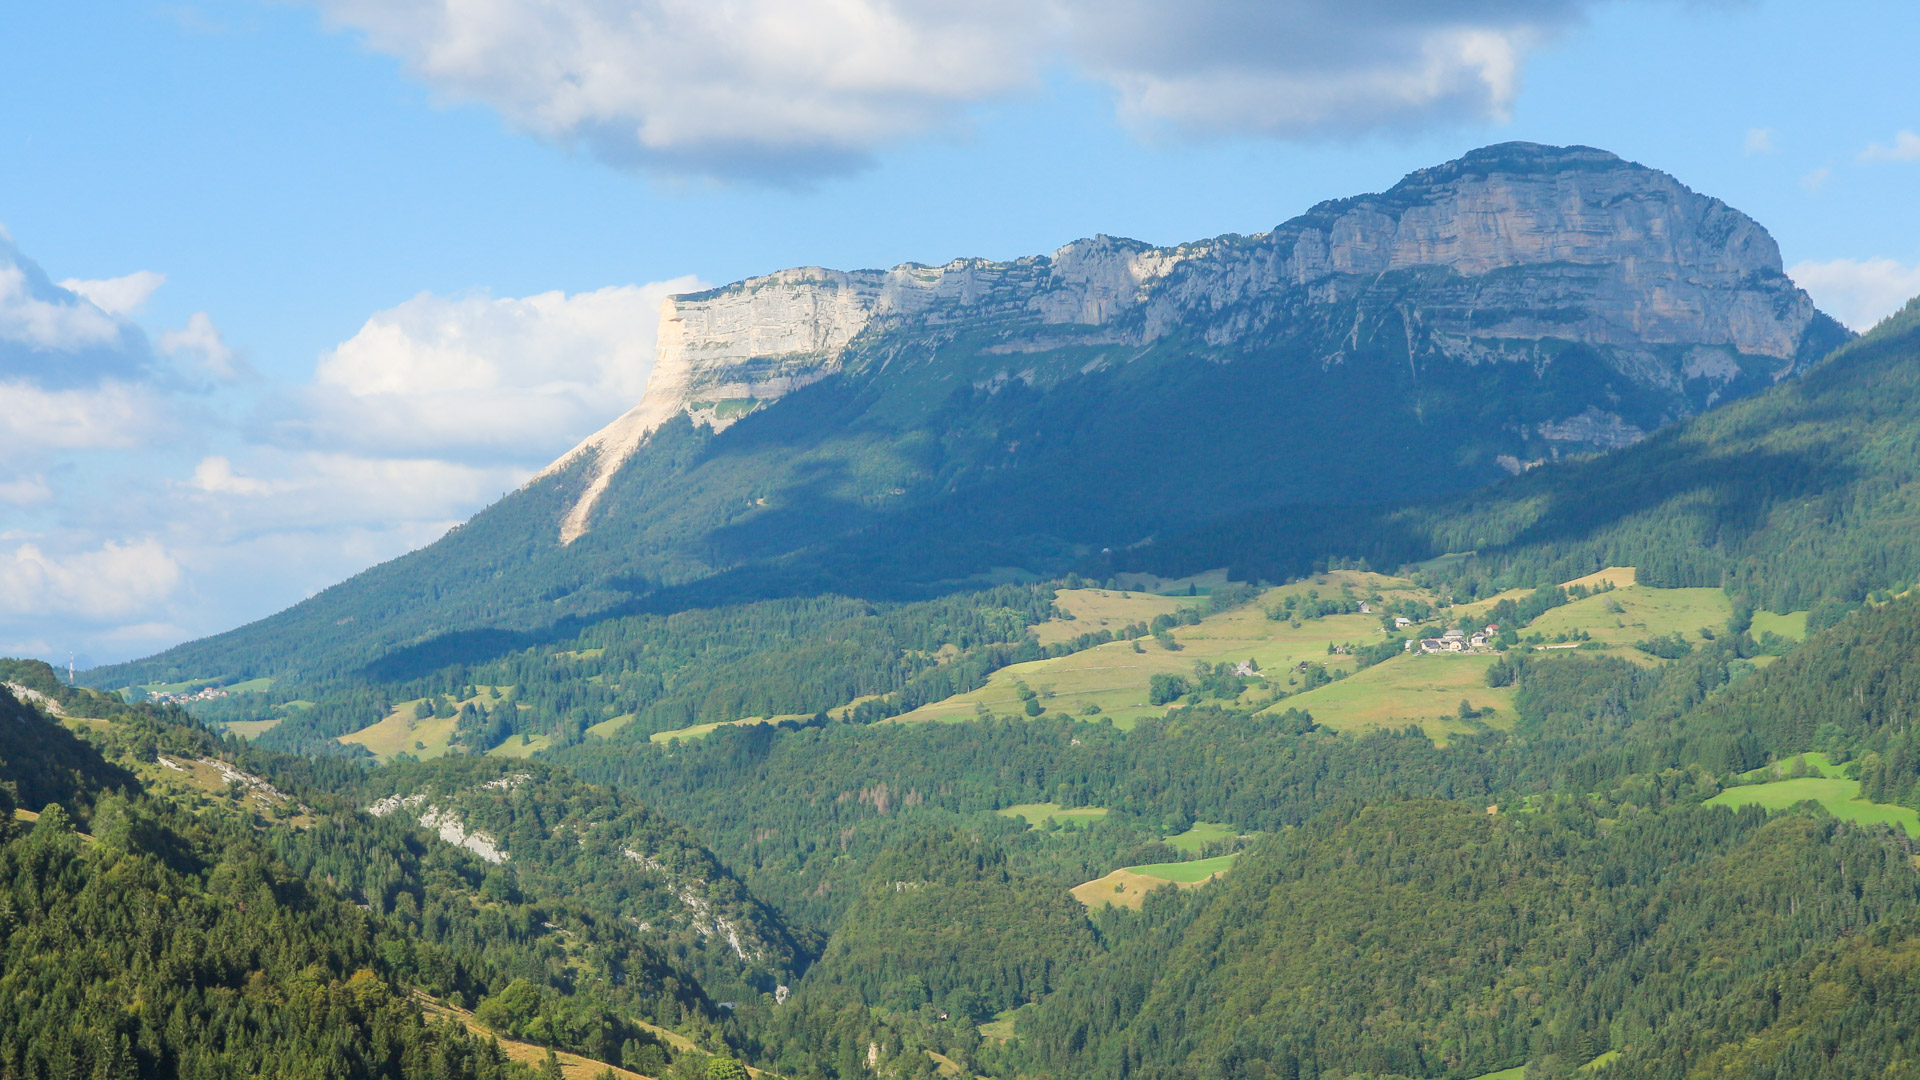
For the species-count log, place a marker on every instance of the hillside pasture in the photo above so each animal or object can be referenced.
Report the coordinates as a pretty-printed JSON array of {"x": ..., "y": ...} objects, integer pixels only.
[
  {"x": 1193, "y": 872},
  {"x": 1200, "y": 835},
  {"x": 1642, "y": 613},
  {"x": 400, "y": 732},
  {"x": 1038, "y": 814},
  {"x": 1115, "y": 676},
  {"x": 1411, "y": 689},
  {"x": 1792, "y": 626},
  {"x": 606, "y": 729},
  {"x": 1094, "y": 610},
  {"x": 701, "y": 731},
  {"x": 521, "y": 746},
  {"x": 1836, "y": 795}
]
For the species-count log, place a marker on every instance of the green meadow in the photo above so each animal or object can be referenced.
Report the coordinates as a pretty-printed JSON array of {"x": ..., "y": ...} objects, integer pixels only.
[
  {"x": 1836, "y": 795},
  {"x": 1113, "y": 677},
  {"x": 1185, "y": 872},
  {"x": 1038, "y": 814},
  {"x": 1200, "y": 835}
]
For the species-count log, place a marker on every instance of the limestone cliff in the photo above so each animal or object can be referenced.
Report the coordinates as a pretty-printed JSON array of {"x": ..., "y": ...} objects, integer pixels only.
[{"x": 1509, "y": 255}]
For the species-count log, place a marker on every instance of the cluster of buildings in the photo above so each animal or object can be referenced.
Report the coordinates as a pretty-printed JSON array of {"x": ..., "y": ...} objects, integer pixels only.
[
  {"x": 1460, "y": 641},
  {"x": 206, "y": 694}
]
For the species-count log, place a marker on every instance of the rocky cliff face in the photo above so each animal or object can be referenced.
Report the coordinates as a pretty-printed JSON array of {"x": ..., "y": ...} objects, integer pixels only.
[{"x": 1511, "y": 255}]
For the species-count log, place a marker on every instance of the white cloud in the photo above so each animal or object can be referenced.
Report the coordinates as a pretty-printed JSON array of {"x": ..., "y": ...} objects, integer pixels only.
[
  {"x": 114, "y": 581},
  {"x": 53, "y": 324},
  {"x": 784, "y": 88},
  {"x": 480, "y": 377},
  {"x": 1760, "y": 141},
  {"x": 1905, "y": 147},
  {"x": 1858, "y": 292},
  {"x": 215, "y": 476},
  {"x": 113, "y": 415},
  {"x": 331, "y": 492},
  {"x": 200, "y": 343},
  {"x": 1816, "y": 180},
  {"x": 121, "y": 296}
]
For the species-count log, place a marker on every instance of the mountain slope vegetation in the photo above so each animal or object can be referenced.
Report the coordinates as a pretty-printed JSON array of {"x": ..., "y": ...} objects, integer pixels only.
[{"x": 1801, "y": 494}]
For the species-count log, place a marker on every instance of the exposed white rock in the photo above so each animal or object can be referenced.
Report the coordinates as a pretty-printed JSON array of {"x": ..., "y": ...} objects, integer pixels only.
[
  {"x": 33, "y": 697},
  {"x": 393, "y": 803},
  {"x": 455, "y": 832},
  {"x": 445, "y": 822}
]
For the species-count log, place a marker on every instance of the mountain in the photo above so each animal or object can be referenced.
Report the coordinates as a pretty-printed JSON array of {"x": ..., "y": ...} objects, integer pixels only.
[
  {"x": 1800, "y": 495},
  {"x": 897, "y": 433}
]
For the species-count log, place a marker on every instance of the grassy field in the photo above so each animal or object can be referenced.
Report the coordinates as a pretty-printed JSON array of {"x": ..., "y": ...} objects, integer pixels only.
[
  {"x": 1000, "y": 1028},
  {"x": 1642, "y": 613},
  {"x": 700, "y": 731},
  {"x": 606, "y": 728},
  {"x": 1102, "y": 609},
  {"x": 521, "y": 746},
  {"x": 1792, "y": 626},
  {"x": 572, "y": 1066},
  {"x": 1411, "y": 689},
  {"x": 1202, "y": 834},
  {"x": 1779, "y": 770},
  {"x": 1838, "y": 796},
  {"x": 401, "y": 733},
  {"x": 1128, "y": 886},
  {"x": 1185, "y": 873},
  {"x": 1115, "y": 676},
  {"x": 252, "y": 729},
  {"x": 1036, "y": 814}
]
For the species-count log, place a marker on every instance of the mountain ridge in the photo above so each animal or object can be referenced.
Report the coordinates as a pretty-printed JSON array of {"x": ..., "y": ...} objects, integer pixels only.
[{"x": 1000, "y": 423}]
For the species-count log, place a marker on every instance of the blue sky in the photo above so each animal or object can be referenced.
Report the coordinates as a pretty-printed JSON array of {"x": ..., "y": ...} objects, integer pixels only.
[{"x": 384, "y": 231}]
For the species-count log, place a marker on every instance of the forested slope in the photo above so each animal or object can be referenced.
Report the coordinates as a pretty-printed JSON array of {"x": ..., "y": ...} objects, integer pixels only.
[
  {"x": 1436, "y": 940},
  {"x": 1801, "y": 493}
]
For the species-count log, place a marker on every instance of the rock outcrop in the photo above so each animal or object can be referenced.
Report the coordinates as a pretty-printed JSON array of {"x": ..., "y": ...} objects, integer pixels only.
[{"x": 1507, "y": 255}]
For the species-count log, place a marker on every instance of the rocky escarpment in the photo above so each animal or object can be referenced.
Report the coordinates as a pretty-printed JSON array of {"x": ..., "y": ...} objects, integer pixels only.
[{"x": 1511, "y": 255}]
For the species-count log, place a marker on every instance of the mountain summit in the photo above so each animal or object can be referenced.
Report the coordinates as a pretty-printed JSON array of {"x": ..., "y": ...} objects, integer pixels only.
[
  {"x": 893, "y": 433},
  {"x": 1507, "y": 256}
]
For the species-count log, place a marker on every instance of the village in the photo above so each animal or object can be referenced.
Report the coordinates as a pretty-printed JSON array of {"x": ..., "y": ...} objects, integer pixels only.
[
  {"x": 1455, "y": 640},
  {"x": 206, "y": 694}
]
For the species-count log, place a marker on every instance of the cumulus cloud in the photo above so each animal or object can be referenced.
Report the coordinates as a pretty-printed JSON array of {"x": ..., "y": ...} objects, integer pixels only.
[
  {"x": 215, "y": 476},
  {"x": 1760, "y": 141},
  {"x": 121, "y": 296},
  {"x": 200, "y": 345},
  {"x": 50, "y": 323},
  {"x": 786, "y": 88},
  {"x": 115, "y": 580},
  {"x": 1905, "y": 147},
  {"x": 57, "y": 336},
  {"x": 1858, "y": 292},
  {"x": 482, "y": 377}
]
